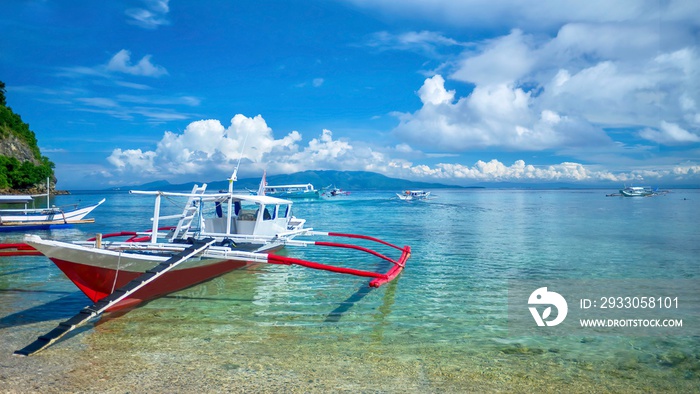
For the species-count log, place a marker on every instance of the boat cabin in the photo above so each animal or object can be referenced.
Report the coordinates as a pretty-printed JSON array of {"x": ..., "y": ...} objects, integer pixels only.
[
  {"x": 238, "y": 217},
  {"x": 308, "y": 188},
  {"x": 413, "y": 195},
  {"x": 252, "y": 215}
]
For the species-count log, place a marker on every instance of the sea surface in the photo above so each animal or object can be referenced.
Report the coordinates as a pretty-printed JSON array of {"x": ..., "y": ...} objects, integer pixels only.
[{"x": 442, "y": 326}]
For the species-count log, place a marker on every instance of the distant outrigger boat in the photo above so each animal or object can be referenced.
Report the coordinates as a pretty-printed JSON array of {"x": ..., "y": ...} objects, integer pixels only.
[
  {"x": 292, "y": 191},
  {"x": 409, "y": 195},
  {"x": 637, "y": 191},
  {"x": 23, "y": 219},
  {"x": 332, "y": 191}
]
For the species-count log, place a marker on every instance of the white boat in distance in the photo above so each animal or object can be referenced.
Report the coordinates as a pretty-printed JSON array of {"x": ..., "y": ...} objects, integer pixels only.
[
  {"x": 409, "y": 195},
  {"x": 22, "y": 219},
  {"x": 637, "y": 191},
  {"x": 332, "y": 191},
  {"x": 292, "y": 191}
]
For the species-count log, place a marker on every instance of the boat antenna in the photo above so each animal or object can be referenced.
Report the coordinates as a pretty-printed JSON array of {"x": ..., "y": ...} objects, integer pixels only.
[
  {"x": 235, "y": 170},
  {"x": 48, "y": 193}
]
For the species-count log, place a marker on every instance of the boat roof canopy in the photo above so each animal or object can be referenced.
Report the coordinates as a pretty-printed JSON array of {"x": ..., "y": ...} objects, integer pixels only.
[
  {"x": 288, "y": 186},
  {"x": 267, "y": 200},
  {"x": 18, "y": 199}
]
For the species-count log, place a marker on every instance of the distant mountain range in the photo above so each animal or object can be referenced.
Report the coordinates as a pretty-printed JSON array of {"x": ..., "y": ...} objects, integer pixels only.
[
  {"x": 364, "y": 180},
  {"x": 346, "y": 180}
]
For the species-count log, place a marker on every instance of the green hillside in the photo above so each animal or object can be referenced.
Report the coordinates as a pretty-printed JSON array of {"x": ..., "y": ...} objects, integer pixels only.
[{"x": 21, "y": 164}]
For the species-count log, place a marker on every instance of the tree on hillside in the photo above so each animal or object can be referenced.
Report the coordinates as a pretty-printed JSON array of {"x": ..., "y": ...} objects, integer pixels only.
[
  {"x": 2, "y": 93},
  {"x": 13, "y": 173}
]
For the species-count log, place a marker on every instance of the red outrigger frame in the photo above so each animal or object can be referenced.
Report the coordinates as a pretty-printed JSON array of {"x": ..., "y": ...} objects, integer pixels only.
[
  {"x": 22, "y": 249},
  {"x": 379, "y": 278},
  {"x": 18, "y": 249}
]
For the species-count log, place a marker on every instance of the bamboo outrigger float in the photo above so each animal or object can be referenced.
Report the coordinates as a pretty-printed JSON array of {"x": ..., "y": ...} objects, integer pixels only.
[{"x": 240, "y": 230}]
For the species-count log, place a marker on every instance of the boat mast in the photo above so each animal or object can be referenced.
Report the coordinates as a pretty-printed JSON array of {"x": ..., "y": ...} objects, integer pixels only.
[
  {"x": 230, "y": 198},
  {"x": 156, "y": 218},
  {"x": 230, "y": 185}
]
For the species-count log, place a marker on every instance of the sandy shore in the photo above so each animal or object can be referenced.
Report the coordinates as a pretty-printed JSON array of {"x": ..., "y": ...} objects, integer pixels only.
[{"x": 95, "y": 361}]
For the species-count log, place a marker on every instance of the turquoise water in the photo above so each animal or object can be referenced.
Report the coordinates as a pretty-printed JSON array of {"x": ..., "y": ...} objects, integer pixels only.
[{"x": 441, "y": 326}]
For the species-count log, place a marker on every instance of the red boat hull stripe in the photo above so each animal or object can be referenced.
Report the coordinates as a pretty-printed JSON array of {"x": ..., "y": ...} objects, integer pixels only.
[{"x": 98, "y": 282}]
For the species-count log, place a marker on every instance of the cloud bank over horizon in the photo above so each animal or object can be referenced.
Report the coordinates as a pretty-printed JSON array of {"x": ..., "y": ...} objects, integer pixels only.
[{"x": 207, "y": 149}]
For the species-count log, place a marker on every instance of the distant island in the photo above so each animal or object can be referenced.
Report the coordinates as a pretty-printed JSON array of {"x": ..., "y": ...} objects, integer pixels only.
[{"x": 347, "y": 180}]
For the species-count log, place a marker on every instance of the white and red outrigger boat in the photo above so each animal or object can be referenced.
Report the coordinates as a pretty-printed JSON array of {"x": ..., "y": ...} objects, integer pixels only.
[
  {"x": 216, "y": 233},
  {"x": 27, "y": 219}
]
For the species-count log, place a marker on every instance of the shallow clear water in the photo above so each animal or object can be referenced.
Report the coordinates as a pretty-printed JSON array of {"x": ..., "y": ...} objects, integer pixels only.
[{"x": 442, "y": 325}]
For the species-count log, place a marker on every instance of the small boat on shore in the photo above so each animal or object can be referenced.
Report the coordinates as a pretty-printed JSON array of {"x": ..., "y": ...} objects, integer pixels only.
[
  {"x": 215, "y": 233},
  {"x": 409, "y": 195},
  {"x": 24, "y": 218}
]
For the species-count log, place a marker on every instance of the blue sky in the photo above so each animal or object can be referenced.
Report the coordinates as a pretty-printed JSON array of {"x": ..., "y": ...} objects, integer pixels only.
[{"x": 458, "y": 92}]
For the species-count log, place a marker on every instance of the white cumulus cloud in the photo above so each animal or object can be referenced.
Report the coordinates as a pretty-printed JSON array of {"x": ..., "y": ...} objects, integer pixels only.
[
  {"x": 121, "y": 62},
  {"x": 154, "y": 15},
  {"x": 536, "y": 92},
  {"x": 207, "y": 148},
  {"x": 498, "y": 115},
  {"x": 669, "y": 134}
]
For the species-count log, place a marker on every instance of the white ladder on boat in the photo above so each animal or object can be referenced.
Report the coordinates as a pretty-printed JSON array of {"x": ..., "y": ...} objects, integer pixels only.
[{"x": 188, "y": 213}]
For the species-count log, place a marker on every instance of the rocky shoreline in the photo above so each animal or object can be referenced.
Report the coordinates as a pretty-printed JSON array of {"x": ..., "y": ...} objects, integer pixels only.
[{"x": 33, "y": 191}]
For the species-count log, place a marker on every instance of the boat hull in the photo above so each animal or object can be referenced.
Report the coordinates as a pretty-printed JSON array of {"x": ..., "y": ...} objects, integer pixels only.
[
  {"x": 34, "y": 226},
  {"x": 98, "y": 282},
  {"x": 98, "y": 272},
  {"x": 410, "y": 196},
  {"x": 294, "y": 195},
  {"x": 634, "y": 194},
  {"x": 44, "y": 220},
  {"x": 637, "y": 191}
]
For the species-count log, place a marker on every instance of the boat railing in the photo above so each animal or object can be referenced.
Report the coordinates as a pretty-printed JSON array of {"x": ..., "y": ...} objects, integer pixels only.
[
  {"x": 258, "y": 237},
  {"x": 143, "y": 236},
  {"x": 170, "y": 217},
  {"x": 133, "y": 246},
  {"x": 306, "y": 231}
]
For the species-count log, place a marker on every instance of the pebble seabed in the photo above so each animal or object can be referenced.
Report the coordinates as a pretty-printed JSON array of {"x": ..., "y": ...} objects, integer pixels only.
[{"x": 283, "y": 359}]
